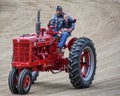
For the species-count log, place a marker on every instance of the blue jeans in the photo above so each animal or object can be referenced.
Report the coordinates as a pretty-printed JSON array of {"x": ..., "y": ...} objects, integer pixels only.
[{"x": 63, "y": 39}]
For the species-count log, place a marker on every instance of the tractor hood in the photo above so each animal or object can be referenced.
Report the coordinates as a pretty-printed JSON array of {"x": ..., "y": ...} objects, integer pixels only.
[{"x": 46, "y": 39}]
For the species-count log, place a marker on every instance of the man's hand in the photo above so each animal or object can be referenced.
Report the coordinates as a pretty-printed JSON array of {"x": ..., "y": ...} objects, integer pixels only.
[
  {"x": 59, "y": 34},
  {"x": 63, "y": 30},
  {"x": 70, "y": 30},
  {"x": 67, "y": 29}
]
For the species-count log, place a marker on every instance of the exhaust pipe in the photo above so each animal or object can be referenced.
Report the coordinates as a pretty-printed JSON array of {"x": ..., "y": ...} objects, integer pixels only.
[{"x": 38, "y": 23}]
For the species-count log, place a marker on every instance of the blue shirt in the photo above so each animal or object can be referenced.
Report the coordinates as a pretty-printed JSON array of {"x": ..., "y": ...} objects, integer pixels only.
[
  {"x": 60, "y": 23},
  {"x": 70, "y": 23}
]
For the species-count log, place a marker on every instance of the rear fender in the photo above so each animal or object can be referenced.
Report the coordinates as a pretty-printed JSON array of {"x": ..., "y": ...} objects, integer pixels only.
[{"x": 71, "y": 42}]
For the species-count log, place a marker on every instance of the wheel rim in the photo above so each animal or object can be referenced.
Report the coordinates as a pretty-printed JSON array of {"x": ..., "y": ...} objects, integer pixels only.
[
  {"x": 86, "y": 63},
  {"x": 26, "y": 82}
]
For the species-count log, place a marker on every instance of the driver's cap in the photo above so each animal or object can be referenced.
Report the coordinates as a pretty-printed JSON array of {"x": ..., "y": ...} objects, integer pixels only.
[{"x": 58, "y": 8}]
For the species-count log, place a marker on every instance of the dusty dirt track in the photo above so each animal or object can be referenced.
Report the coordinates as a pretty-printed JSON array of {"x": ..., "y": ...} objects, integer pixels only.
[{"x": 97, "y": 19}]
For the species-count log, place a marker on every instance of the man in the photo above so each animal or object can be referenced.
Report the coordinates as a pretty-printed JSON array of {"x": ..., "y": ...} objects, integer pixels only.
[
  {"x": 59, "y": 13},
  {"x": 63, "y": 24},
  {"x": 57, "y": 19}
]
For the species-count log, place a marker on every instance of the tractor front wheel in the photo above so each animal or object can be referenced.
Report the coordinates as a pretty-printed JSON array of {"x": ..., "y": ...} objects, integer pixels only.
[
  {"x": 24, "y": 81},
  {"x": 82, "y": 63},
  {"x": 13, "y": 81}
]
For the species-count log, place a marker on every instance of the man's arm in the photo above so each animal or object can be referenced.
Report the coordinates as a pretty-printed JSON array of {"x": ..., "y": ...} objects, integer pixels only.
[
  {"x": 72, "y": 24},
  {"x": 69, "y": 29},
  {"x": 53, "y": 17},
  {"x": 72, "y": 27}
]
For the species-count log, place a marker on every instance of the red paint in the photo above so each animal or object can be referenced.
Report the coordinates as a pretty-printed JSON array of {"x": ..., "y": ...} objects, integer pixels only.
[
  {"x": 84, "y": 63},
  {"x": 26, "y": 82},
  {"x": 39, "y": 53}
]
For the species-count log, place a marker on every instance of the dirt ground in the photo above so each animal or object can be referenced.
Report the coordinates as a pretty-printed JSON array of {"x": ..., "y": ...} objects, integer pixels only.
[{"x": 96, "y": 19}]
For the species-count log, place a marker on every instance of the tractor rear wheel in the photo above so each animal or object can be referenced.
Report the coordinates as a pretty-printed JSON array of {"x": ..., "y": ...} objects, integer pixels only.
[
  {"x": 24, "y": 81},
  {"x": 35, "y": 74},
  {"x": 13, "y": 81},
  {"x": 82, "y": 63}
]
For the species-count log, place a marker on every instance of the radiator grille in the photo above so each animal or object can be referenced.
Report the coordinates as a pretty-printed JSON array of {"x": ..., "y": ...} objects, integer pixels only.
[{"x": 21, "y": 51}]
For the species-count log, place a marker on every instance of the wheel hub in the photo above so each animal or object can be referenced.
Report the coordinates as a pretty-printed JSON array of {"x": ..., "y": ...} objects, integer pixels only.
[
  {"x": 86, "y": 63},
  {"x": 26, "y": 82}
]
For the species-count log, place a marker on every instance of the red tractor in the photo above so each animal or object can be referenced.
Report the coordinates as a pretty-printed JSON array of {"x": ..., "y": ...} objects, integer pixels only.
[{"x": 38, "y": 52}]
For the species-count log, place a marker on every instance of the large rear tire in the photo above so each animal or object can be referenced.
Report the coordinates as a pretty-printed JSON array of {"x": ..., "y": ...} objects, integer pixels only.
[
  {"x": 82, "y": 63},
  {"x": 13, "y": 81}
]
